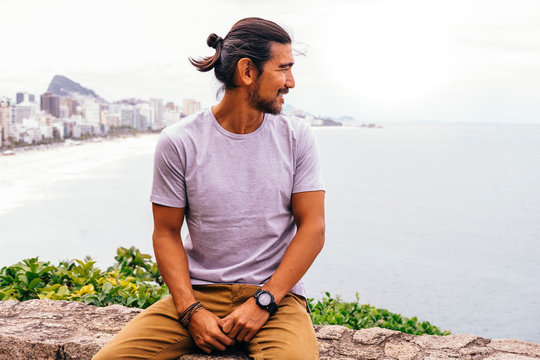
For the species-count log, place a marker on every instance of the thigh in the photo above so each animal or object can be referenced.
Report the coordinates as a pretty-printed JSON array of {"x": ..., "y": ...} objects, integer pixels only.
[
  {"x": 153, "y": 334},
  {"x": 156, "y": 333},
  {"x": 287, "y": 335}
]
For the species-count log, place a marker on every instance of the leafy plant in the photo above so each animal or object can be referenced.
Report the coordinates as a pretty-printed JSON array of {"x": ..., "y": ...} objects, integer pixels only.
[
  {"x": 134, "y": 280},
  {"x": 334, "y": 311}
]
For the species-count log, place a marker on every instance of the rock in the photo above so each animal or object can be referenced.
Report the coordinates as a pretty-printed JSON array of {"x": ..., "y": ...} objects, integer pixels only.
[
  {"x": 62, "y": 330},
  {"x": 439, "y": 355},
  {"x": 373, "y": 336},
  {"x": 401, "y": 350},
  {"x": 515, "y": 346},
  {"x": 474, "y": 352},
  {"x": 444, "y": 342},
  {"x": 507, "y": 356},
  {"x": 331, "y": 332},
  {"x": 50, "y": 328}
]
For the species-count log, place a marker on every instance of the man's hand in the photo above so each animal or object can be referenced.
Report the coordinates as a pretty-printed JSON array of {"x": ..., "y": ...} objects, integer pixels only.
[
  {"x": 205, "y": 329},
  {"x": 244, "y": 322}
]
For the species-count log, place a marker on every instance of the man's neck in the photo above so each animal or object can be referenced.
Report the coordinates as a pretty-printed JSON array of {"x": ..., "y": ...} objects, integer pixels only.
[{"x": 235, "y": 114}]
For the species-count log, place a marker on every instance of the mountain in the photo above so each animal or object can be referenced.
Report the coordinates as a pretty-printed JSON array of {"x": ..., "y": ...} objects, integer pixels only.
[
  {"x": 62, "y": 86},
  {"x": 348, "y": 120}
]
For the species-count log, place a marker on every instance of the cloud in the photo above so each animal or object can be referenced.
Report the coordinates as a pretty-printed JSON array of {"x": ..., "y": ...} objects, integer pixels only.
[{"x": 382, "y": 59}]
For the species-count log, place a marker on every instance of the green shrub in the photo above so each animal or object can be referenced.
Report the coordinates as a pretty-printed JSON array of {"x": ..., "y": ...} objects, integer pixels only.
[
  {"x": 134, "y": 280},
  {"x": 334, "y": 311}
]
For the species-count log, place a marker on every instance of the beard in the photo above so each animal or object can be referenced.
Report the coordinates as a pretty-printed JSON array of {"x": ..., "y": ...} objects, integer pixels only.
[{"x": 271, "y": 106}]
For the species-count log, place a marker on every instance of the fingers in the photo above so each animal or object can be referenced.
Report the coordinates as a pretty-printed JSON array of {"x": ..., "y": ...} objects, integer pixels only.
[
  {"x": 242, "y": 334},
  {"x": 210, "y": 343},
  {"x": 244, "y": 322},
  {"x": 204, "y": 348},
  {"x": 231, "y": 328},
  {"x": 224, "y": 339},
  {"x": 205, "y": 329},
  {"x": 250, "y": 335},
  {"x": 215, "y": 344},
  {"x": 241, "y": 330},
  {"x": 226, "y": 325}
]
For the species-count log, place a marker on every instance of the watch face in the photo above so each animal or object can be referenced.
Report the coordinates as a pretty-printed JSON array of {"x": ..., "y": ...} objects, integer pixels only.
[{"x": 265, "y": 299}]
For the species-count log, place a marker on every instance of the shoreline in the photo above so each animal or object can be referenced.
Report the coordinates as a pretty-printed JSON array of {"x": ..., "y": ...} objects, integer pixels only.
[
  {"x": 68, "y": 142},
  {"x": 18, "y": 185}
]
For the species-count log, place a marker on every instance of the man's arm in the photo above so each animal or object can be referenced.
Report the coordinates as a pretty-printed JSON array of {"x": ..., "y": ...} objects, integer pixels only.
[
  {"x": 308, "y": 210},
  {"x": 171, "y": 258}
]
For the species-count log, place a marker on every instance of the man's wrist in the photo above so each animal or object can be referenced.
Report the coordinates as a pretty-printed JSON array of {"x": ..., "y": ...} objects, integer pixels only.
[
  {"x": 265, "y": 300},
  {"x": 183, "y": 302},
  {"x": 185, "y": 317}
]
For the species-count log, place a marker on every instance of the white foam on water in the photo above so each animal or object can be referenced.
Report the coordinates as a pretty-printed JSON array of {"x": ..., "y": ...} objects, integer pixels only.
[{"x": 28, "y": 175}]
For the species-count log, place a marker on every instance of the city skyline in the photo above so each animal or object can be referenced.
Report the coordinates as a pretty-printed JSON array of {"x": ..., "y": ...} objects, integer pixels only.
[
  {"x": 378, "y": 61},
  {"x": 69, "y": 110}
]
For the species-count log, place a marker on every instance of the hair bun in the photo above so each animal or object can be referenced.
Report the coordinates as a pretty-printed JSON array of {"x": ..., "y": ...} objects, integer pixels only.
[{"x": 213, "y": 40}]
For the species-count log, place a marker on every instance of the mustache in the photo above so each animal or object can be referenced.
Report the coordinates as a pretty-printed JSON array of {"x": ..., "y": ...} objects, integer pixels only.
[{"x": 283, "y": 91}]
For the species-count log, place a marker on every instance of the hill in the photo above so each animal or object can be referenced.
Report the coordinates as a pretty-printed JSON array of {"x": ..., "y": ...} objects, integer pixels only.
[{"x": 63, "y": 86}]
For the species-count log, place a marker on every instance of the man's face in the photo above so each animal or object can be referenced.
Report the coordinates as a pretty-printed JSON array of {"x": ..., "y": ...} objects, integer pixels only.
[{"x": 276, "y": 79}]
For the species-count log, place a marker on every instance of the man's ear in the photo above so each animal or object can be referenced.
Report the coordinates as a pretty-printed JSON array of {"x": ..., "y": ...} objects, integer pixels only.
[{"x": 246, "y": 72}]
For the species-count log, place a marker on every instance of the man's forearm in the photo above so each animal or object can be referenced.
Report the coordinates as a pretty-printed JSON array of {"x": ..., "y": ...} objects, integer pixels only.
[
  {"x": 204, "y": 326},
  {"x": 243, "y": 323},
  {"x": 173, "y": 265},
  {"x": 302, "y": 251}
]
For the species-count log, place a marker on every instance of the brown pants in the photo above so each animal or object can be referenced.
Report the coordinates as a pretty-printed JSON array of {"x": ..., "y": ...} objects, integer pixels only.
[{"x": 156, "y": 333}]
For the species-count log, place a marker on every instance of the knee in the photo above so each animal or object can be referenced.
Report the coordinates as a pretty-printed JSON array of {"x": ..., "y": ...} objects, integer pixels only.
[
  {"x": 100, "y": 356},
  {"x": 109, "y": 352}
]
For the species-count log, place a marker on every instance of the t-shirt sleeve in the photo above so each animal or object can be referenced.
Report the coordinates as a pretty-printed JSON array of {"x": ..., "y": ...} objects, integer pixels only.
[
  {"x": 168, "y": 186},
  {"x": 307, "y": 172}
]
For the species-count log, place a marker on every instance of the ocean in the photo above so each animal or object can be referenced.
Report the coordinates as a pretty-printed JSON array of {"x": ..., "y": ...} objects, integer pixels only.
[{"x": 435, "y": 220}]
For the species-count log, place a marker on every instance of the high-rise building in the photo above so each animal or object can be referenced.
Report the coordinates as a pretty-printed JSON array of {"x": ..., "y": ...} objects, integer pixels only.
[
  {"x": 6, "y": 119},
  {"x": 157, "y": 105},
  {"x": 147, "y": 114},
  {"x": 24, "y": 96},
  {"x": 115, "y": 108},
  {"x": 50, "y": 103},
  {"x": 22, "y": 111},
  {"x": 110, "y": 119},
  {"x": 91, "y": 111},
  {"x": 171, "y": 116},
  {"x": 171, "y": 106},
  {"x": 190, "y": 106},
  {"x": 130, "y": 116},
  {"x": 103, "y": 109},
  {"x": 70, "y": 104}
]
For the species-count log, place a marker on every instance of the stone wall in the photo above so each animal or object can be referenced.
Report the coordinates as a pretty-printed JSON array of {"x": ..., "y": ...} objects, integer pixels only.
[{"x": 61, "y": 330}]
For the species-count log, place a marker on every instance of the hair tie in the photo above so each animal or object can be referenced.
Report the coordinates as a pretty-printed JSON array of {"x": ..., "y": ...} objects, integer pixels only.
[{"x": 218, "y": 40}]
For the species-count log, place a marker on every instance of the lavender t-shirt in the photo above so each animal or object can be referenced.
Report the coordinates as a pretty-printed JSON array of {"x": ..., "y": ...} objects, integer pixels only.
[{"x": 236, "y": 189}]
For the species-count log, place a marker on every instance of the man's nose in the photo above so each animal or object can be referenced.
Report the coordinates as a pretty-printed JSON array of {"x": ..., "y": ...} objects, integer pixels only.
[{"x": 289, "y": 82}]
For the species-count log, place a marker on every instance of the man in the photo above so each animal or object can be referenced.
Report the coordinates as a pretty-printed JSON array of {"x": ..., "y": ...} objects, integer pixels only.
[{"x": 247, "y": 180}]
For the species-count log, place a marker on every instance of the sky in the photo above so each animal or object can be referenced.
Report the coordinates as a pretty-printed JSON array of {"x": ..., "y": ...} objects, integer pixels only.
[{"x": 374, "y": 60}]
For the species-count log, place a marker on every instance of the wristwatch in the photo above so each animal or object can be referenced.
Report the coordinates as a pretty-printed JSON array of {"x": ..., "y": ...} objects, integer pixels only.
[{"x": 265, "y": 300}]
